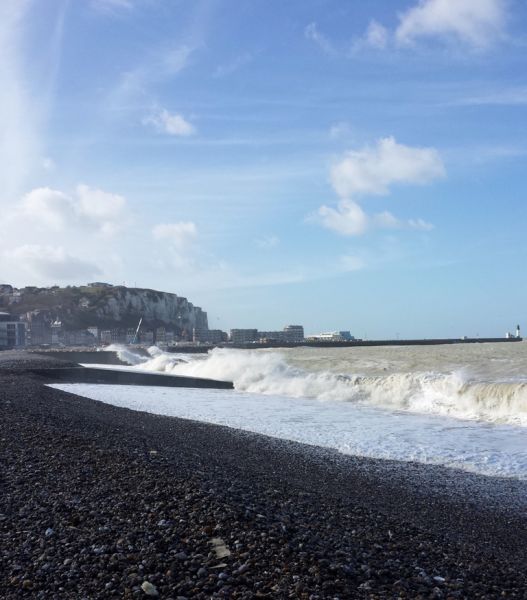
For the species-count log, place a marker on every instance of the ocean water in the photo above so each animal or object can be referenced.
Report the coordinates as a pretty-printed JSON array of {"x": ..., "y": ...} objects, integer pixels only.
[{"x": 462, "y": 406}]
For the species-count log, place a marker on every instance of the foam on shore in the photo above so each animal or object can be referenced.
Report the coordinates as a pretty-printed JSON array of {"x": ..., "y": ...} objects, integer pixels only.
[{"x": 489, "y": 449}]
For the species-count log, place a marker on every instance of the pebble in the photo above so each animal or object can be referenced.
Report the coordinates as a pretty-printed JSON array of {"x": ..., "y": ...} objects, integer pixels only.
[
  {"x": 149, "y": 589},
  {"x": 128, "y": 522}
]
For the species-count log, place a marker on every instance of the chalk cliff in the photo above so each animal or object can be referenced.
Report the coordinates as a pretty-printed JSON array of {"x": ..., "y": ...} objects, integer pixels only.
[{"x": 105, "y": 306}]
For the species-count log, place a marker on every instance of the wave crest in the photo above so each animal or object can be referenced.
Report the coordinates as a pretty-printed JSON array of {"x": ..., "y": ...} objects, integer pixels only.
[{"x": 262, "y": 372}]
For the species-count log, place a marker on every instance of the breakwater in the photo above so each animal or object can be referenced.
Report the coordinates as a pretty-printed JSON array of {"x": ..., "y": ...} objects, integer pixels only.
[
  {"x": 370, "y": 343},
  {"x": 345, "y": 344}
]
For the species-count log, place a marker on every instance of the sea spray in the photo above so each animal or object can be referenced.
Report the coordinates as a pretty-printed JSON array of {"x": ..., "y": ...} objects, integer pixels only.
[{"x": 457, "y": 393}]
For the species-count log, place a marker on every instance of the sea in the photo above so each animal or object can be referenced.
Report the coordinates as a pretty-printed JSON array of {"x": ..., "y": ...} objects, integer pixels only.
[{"x": 463, "y": 406}]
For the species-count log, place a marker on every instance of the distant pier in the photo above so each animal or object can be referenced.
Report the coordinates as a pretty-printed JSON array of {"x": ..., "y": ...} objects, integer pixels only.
[
  {"x": 109, "y": 357},
  {"x": 345, "y": 344}
]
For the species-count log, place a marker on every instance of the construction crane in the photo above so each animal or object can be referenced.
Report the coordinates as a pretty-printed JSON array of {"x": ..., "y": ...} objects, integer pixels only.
[{"x": 136, "y": 336}]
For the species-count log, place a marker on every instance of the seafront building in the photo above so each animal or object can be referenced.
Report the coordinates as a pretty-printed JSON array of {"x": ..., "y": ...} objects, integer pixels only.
[
  {"x": 12, "y": 332},
  {"x": 243, "y": 336},
  {"x": 209, "y": 336},
  {"x": 290, "y": 333},
  {"x": 294, "y": 333},
  {"x": 331, "y": 336}
]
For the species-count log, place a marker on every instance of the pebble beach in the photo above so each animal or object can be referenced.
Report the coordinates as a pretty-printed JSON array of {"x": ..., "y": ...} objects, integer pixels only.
[{"x": 104, "y": 502}]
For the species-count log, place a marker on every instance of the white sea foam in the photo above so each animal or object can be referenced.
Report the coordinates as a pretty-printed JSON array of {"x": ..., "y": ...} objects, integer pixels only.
[
  {"x": 457, "y": 391},
  {"x": 350, "y": 428}
]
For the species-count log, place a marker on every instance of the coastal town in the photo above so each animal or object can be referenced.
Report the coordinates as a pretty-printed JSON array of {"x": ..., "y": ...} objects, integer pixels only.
[
  {"x": 28, "y": 323},
  {"x": 101, "y": 314}
]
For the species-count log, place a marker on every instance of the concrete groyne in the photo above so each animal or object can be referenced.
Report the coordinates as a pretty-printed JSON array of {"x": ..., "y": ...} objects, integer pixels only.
[{"x": 121, "y": 377}]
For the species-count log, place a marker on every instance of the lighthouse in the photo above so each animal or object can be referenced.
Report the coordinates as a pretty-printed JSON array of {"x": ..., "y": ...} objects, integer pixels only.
[{"x": 518, "y": 331}]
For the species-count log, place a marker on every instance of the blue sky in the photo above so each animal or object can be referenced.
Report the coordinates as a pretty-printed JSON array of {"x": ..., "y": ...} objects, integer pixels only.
[{"x": 339, "y": 164}]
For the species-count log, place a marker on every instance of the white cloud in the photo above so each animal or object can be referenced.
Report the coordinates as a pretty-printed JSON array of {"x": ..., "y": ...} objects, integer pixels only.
[
  {"x": 50, "y": 208},
  {"x": 312, "y": 33},
  {"x": 173, "y": 124},
  {"x": 476, "y": 23},
  {"x": 347, "y": 219},
  {"x": 51, "y": 263},
  {"x": 371, "y": 171},
  {"x": 87, "y": 207},
  {"x": 98, "y": 205},
  {"x": 179, "y": 234}
]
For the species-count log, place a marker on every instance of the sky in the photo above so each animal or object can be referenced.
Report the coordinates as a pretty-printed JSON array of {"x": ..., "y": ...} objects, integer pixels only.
[{"x": 340, "y": 164}]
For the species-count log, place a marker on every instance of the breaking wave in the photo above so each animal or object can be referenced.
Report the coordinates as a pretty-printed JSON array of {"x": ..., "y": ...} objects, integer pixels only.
[{"x": 455, "y": 393}]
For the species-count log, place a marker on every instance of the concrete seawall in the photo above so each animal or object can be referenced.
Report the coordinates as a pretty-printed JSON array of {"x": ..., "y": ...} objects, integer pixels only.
[
  {"x": 108, "y": 376},
  {"x": 94, "y": 357}
]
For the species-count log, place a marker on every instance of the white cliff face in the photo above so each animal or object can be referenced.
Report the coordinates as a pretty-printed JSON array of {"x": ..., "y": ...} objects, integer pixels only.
[
  {"x": 151, "y": 306},
  {"x": 109, "y": 306}
]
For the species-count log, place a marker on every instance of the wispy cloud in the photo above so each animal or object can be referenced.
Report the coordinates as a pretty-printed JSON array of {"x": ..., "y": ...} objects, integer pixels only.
[
  {"x": 139, "y": 82},
  {"x": 112, "y": 6},
  {"x": 172, "y": 124},
  {"x": 234, "y": 65},
  {"x": 508, "y": 96},
  {"x": 386, "y": 220},
  {"x": 340, "y": 130},
  {"x": 312, "y": 33},
  {"x": 351, "y": 262},
  {"x": 267, "y": 241},
  {"x": 376, "y": 37}
]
